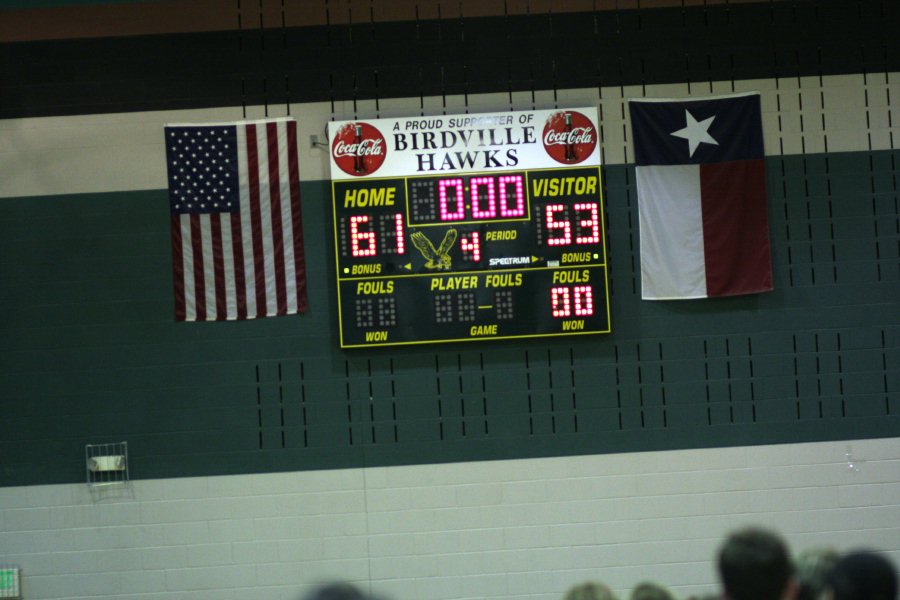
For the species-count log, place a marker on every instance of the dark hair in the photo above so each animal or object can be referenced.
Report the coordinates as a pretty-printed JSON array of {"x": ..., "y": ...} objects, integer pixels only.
[
  {"x": 337, "y": 591},
  {"x": 754, "y": 564},
  {"x": 648, "y": 590},
  {"x": 863, "y": 575}
]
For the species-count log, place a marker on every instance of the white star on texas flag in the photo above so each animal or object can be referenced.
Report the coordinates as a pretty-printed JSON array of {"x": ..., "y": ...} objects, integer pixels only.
[{"x": 695, "y": 132}]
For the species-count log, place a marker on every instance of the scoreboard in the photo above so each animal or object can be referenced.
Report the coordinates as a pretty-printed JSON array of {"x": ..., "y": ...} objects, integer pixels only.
[{"x": 501, "y": 239}]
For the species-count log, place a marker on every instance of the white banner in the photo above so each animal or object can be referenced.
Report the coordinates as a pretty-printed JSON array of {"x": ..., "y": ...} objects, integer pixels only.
[{"x": 500, "y": 141}]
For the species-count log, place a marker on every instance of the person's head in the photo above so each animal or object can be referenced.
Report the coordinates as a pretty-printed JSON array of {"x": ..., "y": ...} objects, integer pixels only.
[
  {"x": 650, "y": 591},
  {"x": 810, "y": 568},
  {"x": 338, "y": 591},
  {"x": 591, "y": 590},
  {"x": 754, "y": 564},
  {"x": 862, "y": 575}
]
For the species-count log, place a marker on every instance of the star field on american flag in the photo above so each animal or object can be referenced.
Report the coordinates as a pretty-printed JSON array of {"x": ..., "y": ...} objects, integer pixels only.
[{"x": 203, "y": 169}]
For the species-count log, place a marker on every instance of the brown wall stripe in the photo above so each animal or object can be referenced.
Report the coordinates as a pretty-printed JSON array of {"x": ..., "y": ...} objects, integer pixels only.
[{"x": 190, "y": 16}]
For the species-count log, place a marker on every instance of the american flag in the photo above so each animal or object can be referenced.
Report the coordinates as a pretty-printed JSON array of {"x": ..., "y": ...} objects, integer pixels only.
[{"x": 237, "y": 238}]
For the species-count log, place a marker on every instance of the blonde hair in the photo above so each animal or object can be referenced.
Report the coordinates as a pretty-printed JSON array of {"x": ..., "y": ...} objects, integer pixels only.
[{"x": 591, "y": 590}]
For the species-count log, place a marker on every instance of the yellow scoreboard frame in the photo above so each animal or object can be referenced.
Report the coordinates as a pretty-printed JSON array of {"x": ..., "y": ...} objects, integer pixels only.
[{"x": 469, "y": 227}]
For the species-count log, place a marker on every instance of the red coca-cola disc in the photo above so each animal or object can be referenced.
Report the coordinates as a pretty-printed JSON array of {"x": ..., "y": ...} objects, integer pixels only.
[
  {"x": 358, "y": 149},
  {"x": 569, "y": 137}
]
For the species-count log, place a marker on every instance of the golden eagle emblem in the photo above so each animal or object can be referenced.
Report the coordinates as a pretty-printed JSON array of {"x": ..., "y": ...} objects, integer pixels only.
[{"x": 439, "y": 258}]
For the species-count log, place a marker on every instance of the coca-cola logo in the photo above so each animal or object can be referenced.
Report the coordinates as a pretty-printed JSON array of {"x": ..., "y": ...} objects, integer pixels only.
[
  {"x": 569, "y": 137},
  {"x": 358, "y": 149},
  {"x": 363, "y": 148}
]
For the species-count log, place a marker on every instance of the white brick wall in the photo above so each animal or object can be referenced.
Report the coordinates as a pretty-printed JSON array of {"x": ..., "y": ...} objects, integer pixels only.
[{"x": 521, "y": 529}]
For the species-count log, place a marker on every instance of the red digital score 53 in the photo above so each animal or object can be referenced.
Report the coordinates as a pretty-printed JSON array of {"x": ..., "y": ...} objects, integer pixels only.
[{"x": 582, "y": 227}]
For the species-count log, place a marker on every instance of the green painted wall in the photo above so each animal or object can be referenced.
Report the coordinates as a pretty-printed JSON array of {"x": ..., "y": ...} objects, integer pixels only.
[{"x": 91, "y": 353}]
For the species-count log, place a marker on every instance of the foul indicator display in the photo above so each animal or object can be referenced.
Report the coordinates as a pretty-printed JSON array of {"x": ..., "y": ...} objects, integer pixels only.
[{"x": 469, "y": 227}]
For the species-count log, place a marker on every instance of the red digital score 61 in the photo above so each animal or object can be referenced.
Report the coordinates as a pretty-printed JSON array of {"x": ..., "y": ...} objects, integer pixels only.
[{"x": 365, "y": 242}]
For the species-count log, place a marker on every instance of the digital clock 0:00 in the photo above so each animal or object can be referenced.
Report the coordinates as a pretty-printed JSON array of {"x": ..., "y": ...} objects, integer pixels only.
[{"x": 467, "y": 198}]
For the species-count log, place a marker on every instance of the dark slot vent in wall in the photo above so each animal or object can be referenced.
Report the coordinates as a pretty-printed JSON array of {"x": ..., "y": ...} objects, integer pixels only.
[
  {"x": 270, "y": 405},
  {"x": 574, "y": 387},
  {"x": 349, "y": 400},
  {"x": 530, "y": 398},
  {"x": 303, "y": 407},
  {"x": 394, "y": 403},
  {"x": 440, "y": 406},
  {"x": 484, "y": 392}
]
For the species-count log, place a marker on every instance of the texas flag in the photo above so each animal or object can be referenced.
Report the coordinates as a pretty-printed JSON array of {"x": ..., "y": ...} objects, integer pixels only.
[{"x": 701, "y": 183}]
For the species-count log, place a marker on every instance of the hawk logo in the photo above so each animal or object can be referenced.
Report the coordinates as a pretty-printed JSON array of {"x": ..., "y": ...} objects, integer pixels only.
[{"x": 437, "y": 258}]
